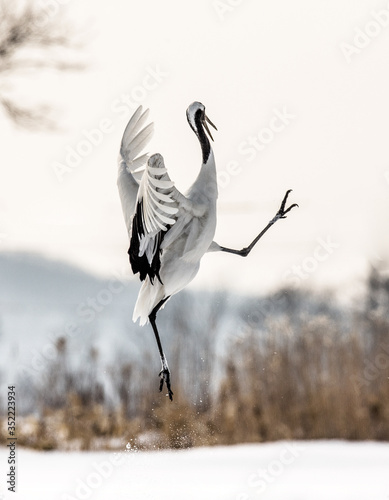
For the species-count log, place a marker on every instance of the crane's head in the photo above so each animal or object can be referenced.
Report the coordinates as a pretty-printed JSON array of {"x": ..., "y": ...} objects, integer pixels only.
[{"x": 197, "y": 118}]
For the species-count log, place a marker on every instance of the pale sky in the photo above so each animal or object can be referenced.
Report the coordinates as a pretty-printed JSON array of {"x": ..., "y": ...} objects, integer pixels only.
[{"x": 299, "y": 93}]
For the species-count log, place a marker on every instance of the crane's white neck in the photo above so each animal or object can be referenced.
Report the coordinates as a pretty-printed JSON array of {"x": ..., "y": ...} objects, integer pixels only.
[{"x": 204, "y": 190}]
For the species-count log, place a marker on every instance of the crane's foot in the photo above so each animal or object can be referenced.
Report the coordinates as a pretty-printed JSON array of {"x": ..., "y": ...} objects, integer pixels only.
[
  {"x": 281, "y": 214},
  {"x": 164, "y": 375}
]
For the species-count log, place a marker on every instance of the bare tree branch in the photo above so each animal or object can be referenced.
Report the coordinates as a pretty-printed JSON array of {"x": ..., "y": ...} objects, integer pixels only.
[{"x": 32, "y": 39}]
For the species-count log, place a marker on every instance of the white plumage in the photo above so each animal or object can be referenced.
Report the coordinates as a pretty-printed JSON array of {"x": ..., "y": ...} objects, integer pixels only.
[
  {"x": 180, "y": 228},
  {"x": 169, "y": 232}
]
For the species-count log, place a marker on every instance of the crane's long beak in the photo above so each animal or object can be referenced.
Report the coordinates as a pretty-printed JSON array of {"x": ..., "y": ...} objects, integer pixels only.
[{"x": 206, "y": 119}]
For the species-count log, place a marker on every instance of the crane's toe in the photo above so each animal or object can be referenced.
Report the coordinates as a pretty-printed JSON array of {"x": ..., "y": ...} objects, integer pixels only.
[
  {"x": 281, "y": 214},
  {"x": 164, "y": 375}
]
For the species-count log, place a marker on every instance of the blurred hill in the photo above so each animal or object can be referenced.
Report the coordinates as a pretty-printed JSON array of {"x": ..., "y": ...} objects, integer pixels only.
[{"x": 41, "y": 298}]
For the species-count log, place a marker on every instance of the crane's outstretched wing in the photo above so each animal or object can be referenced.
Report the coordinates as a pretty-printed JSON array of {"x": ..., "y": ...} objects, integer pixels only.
[
  {"x": 156, "y": 210},
  {"x": 135, "y": 138}
]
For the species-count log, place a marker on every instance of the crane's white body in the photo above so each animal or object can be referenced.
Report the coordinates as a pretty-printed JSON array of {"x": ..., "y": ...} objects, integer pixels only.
[
  {"x": 169, "y": 232},
  {"x": 185, "y": 223}
]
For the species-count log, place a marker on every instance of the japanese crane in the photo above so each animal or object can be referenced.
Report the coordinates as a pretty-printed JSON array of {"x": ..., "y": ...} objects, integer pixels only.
[{"x": 169, "y": 232}]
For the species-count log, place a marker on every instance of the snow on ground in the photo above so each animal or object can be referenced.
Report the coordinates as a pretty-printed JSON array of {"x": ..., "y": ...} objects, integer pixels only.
[{"x": 320, "y": 470}]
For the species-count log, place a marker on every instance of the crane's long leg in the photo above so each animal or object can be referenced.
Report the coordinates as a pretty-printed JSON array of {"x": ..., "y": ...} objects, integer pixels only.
[
  {"x": 164, "y": 374},
  {"x": 281, "y": 214}
]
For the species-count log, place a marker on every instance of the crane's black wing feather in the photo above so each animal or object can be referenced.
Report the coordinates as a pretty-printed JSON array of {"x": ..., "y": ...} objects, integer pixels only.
[{"x": 155, "y": 213}]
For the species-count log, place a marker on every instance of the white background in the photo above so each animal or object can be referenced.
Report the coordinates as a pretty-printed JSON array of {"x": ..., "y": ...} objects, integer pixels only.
[{"x": 242, "y": 61}]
